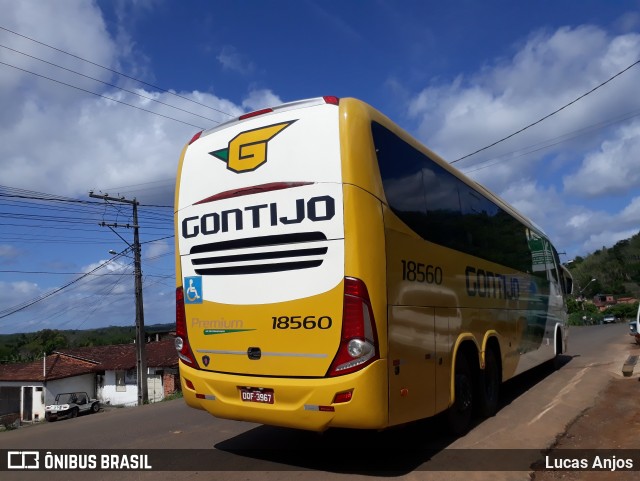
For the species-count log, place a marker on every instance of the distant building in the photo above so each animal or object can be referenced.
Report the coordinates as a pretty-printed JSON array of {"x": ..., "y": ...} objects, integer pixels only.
[
  {"x": 602, "y": 301},
  {"x": 116, "y": 379},
  {"x": 627, "y": 300}
]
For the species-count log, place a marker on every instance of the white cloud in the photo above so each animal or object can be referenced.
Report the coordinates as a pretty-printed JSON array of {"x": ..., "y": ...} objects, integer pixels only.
[
  {"x": 631, "y": 213},
  {"x": 106, "y": 297},
  {"x": 20, "y": 288},
  {"x": 58, "y": 139},
  {"x": 157, "y": 249},
  {"x": 613, "y": 169},
  {"x": 537, "y": 203},
  {"x": 260, "y": 99},
  {"x": 94, "y": 143},
  {"x": 548, "y": 71},
  {"x": 84, "y": 35},
  {"x": 607, "y": 239},
  {"x": 8, "y": 253},
  {"x": 234, "y": 61},
  {"x": 580, "y": 221},
  {"x": 13, "y": 295}
]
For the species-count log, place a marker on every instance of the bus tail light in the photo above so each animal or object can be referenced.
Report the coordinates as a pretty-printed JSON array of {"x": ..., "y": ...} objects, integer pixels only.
[
  {"x": 359, "y": 341},
  {"x": 255, "y": 113},
  {"x": 182, "y": 341}
]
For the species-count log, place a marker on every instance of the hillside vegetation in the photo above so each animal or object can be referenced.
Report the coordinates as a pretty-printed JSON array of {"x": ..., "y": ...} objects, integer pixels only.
[
  {"x": 24, "y": 347},
  {"x": 616, "y": 270}
]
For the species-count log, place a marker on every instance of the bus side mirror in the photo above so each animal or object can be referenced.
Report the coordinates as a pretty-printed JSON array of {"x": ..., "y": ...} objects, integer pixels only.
[{"x": 567, "y": 280}]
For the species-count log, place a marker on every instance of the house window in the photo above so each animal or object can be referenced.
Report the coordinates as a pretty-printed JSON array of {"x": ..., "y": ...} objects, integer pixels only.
[
  {"x": 120, "y": 381},
  {"x": 131, "y": 376}
]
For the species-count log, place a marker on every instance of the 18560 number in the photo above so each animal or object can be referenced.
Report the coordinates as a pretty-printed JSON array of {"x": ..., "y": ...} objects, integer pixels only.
[
  {"x": 300, "y": 322},
  {"x": 417, "y": 272}
]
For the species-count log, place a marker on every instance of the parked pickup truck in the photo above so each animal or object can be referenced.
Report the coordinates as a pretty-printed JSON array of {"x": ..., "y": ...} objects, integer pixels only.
[
  {"x": 70, "y": 404},
  {"x": 634, "y": 327}
]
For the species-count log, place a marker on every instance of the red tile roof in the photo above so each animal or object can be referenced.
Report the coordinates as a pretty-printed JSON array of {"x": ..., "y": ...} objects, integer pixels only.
[
  {"x": 123, "y": 356},
  {"x": 85, "y": 360},
  {"x": 57, "y": 366}
]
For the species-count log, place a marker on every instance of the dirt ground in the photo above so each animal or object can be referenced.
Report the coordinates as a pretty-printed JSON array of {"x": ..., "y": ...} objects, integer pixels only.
[{"x": 613, "y": 423}]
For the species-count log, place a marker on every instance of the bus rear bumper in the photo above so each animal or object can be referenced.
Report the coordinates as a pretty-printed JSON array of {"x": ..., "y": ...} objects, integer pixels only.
[{"x": 297, "y": 403}]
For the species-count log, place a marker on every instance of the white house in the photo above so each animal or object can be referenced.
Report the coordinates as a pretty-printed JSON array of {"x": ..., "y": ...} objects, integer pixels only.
[
  {"x": 116, "y": 378},
  {"x": 107, "y": 373},
  {"x": 26, "y": 388}
]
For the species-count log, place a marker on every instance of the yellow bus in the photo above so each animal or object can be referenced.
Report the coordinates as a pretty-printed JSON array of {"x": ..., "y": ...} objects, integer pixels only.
[{"x": 334, "y": 272}]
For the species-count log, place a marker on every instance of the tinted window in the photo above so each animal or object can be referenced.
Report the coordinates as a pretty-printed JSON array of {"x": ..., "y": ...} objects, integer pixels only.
[
  {"x": 442, "y": 209},
  {"x": 401, "y": 171}
]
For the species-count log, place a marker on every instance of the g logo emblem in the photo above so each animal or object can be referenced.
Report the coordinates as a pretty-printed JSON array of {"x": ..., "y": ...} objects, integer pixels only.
[{"x": 248, "y": 150}]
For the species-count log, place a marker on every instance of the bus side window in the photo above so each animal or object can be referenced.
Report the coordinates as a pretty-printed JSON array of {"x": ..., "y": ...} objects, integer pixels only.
[{"x": 401, "y": 172}]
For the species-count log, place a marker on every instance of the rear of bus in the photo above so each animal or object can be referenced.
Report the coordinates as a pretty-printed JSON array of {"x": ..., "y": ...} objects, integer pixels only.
[{"x": 280, "y": 299}]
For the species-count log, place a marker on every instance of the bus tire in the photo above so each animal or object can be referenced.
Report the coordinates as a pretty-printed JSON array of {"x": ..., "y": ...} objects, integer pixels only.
[
  {"x": 461, "y": 411},
  {"x": 489, "y": 385},
  {"x": 557, "y": 359}
]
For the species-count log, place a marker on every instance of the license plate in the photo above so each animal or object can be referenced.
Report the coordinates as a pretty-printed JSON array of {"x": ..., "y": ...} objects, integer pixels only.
[{"x": 255, "y": 395}]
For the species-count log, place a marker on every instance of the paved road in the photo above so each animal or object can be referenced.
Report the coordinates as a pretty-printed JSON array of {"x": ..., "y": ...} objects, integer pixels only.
[{"x": 536, "y": 408}]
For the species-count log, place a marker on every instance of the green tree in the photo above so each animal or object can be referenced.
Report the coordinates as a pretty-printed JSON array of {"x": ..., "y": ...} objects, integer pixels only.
[{"x": 623, "y": 311}]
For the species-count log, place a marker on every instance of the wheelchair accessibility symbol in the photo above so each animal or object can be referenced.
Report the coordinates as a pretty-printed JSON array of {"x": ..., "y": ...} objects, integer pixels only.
[{"x": 193, "y": 290}]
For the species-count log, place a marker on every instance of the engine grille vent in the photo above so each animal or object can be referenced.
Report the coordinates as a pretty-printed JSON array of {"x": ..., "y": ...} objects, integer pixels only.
[{"x": 259, "y": 255}]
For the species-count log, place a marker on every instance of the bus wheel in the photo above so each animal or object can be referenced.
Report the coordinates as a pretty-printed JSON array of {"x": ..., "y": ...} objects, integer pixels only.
[
  {"x": 489, "y": 391},
  {"x": 460, "y": 413}
]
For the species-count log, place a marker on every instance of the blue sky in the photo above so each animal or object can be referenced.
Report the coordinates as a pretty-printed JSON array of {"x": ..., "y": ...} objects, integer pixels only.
[{"x": 458, "y": 75}]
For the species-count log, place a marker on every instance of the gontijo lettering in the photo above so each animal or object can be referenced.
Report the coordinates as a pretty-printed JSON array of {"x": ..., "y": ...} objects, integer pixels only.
[
  {"x": 315, "y": 209},
  {"x": 483, "y": 283}
]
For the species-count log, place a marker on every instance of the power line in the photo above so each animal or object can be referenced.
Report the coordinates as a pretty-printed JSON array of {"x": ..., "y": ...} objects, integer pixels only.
[
  {"x": 14, "y": 192},
  {"x": 550, "y": 142},
  {"x": 100, "y": 95},
  {"x": 114, "y": 71},
  {"x": 57, "y": 273},
  {"x": 20, "y": 307},
  {"x": 26, "y": 210},
  {"x": 548, "y": 115},
  {"x": 99, "y": 305},
  {"x": 32, "y": 194},
  {"x": 102, "y": 293},
  {"x": 109, "y": 84}
]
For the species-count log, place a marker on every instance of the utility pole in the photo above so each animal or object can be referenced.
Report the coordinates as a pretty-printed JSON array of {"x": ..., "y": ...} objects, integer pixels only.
[{"x": 141, "y": 358}]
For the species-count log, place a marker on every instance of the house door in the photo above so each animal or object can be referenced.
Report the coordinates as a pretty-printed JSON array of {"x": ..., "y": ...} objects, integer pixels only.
[
  {"x": 154, "y": 386},
  {"x": 27, "y": 403}
]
